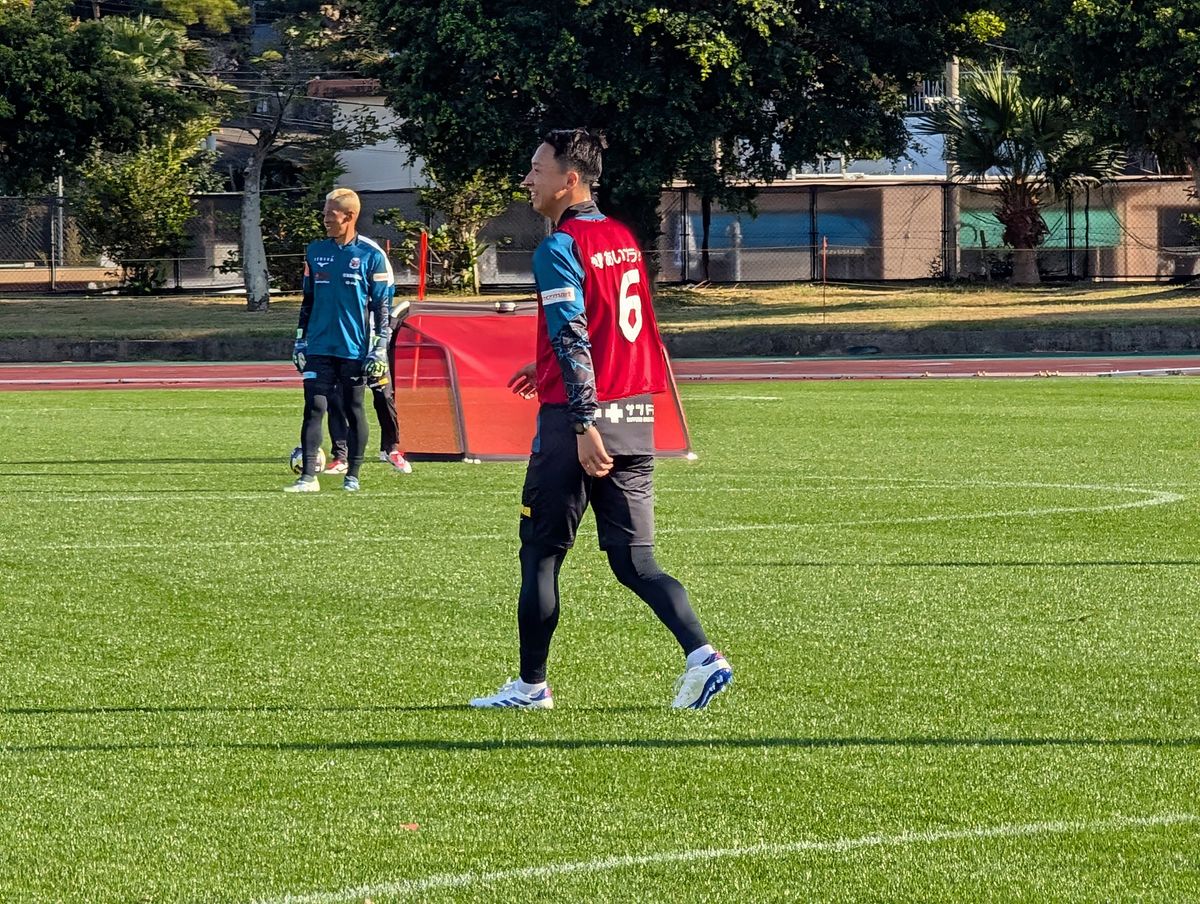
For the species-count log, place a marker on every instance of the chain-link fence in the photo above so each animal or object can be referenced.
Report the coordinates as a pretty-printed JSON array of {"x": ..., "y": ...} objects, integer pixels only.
[
  {"x": 838, "y": 230},
  {"x": 852, "y": 230}
]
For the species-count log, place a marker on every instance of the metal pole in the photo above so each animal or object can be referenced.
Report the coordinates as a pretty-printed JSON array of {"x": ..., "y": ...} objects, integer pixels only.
[
  {"x": 53, "y": 246},
  {"x": 684, "y": 251},
  {"x": 812, "y": 232},
  {"x": 1070, "y": 236},
  {"x": 951, "y": 208},
  {"x": 59, "y": 231}
]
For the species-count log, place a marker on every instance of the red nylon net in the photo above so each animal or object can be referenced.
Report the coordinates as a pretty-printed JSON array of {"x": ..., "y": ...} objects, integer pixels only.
[{"x": 451, "y": 367}]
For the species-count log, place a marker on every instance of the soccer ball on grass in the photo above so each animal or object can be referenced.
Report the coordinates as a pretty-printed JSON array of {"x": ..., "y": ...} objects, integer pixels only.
[{"x": 296, "y": 460}]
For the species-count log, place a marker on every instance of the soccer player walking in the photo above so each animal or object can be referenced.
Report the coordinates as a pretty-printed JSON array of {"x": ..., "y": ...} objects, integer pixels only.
[
  {"x": 599, "y": 360},
  {"x": 342, "y": 338}
]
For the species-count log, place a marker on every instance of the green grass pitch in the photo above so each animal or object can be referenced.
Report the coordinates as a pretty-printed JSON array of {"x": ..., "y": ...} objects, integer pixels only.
[{"x": 962, "y": 616}]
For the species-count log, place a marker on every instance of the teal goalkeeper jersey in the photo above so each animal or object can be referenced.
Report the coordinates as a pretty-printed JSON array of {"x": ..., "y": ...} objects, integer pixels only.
[{"x": 347, "y": 290}]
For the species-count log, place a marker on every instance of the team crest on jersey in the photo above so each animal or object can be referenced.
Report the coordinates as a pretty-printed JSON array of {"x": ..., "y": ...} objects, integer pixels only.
[{"x": 354, "y": 262}]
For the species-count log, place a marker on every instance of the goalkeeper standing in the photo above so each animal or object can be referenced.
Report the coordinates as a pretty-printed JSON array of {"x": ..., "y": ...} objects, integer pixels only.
[
  {"x": 383, "y": 398},
  {"x": 342, "y": 338}
]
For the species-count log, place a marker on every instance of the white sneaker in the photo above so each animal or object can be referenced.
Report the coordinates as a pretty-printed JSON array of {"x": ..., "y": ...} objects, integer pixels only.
[
  {"x": 399, "y": 462},
  {"x": 508, "y": 697},
  {"x": 383, "y": 456},
  {"x": 698, "y": 685},
  {"x": 350, "y": 484},
  {"x": 336, "y": 466},
  {"x": 303, "y": 485}
]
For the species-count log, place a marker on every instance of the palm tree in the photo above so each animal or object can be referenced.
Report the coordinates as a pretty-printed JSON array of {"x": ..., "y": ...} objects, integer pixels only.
[
  {"x": 158, "y": 50},
  {"x": 1028, "y": 145}
]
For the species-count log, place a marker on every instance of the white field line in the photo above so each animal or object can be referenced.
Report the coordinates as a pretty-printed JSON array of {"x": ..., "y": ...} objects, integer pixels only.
[
  {"x": 1152, "y": 498},
  {"x": 1155, "y": 497},
  {"x": 406, "y": 887},
  {"x": 232, "y": 382}
]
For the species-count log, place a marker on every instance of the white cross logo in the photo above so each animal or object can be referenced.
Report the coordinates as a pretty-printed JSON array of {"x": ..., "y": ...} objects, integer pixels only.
[{"x": 613, "y": 413}]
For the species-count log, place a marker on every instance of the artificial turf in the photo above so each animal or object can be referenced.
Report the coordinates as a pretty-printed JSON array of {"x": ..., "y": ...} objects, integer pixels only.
[{"x": 962, "y": 616}]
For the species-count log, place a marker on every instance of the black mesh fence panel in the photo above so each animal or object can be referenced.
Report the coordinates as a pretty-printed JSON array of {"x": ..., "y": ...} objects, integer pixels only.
[{"x": 841, "y": 229}]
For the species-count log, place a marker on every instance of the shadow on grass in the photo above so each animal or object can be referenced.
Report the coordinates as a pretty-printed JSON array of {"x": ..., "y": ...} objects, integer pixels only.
[
  {"x": 275, "y": 708},
  {"x": 452, "y": 745},
  {"x": 133, "y": 462},
  {"x": 1099, "y": 563}
]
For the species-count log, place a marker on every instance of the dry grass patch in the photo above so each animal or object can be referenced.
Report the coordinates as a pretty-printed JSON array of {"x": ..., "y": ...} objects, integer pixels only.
[
  {"x": 875, "y": 306},
  {"x": 915, "y": 307}
]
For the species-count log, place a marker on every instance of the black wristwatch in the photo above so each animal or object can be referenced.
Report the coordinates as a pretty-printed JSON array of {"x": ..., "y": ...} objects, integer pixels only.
[{"x": 582, "y": 427}]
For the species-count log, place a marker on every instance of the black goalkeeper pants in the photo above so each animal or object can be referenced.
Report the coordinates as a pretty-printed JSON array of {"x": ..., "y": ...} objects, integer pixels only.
[
  {"x": 339, "y": 378},
  {"x": 634, "y": 566}
]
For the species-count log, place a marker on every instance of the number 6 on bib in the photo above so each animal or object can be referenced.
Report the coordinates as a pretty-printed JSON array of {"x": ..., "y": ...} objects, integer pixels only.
[{"x": 630, "y": 313}]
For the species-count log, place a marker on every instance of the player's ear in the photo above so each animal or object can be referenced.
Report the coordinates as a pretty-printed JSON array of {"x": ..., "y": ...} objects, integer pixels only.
[{"x": 572, "y": 179}]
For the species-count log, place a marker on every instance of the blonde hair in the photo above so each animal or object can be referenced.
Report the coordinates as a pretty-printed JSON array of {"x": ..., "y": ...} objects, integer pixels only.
[{"x": 346, "y": 199}]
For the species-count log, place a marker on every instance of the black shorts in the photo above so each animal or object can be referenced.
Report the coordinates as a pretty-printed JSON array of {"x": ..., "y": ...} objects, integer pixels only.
[
  {"x": 557, "y": 492},
  {"x": 326, "y": 371}
]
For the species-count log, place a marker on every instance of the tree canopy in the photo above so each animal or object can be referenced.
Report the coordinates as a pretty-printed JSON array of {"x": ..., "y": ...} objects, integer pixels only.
[
  {"x": 63, "y": 93},
  {"x": 216, "y": 16},
  {"x": 1136, "y": 65},
  {"x": 723, "y": 91},
  {"x": 268, "y": 101}
]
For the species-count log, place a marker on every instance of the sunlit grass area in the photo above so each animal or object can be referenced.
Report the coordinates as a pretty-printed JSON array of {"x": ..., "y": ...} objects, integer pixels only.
[
  {"x": 961, "y": 616},
  {"x": 798, "y": 305}
]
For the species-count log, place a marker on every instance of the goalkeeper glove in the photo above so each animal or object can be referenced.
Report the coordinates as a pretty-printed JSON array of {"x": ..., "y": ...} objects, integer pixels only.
[
  {"x": 375, "y": 371},
  {"x": 375, "y": 367},
  {"x": 300, "y": 352}
]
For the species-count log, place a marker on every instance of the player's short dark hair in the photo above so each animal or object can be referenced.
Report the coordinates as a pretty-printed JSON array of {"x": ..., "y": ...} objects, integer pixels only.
[{"x": 578, "y": 149}]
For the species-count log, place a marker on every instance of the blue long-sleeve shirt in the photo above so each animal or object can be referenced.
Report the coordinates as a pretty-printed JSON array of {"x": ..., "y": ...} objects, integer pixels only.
[{"x": 348, "y": 290}]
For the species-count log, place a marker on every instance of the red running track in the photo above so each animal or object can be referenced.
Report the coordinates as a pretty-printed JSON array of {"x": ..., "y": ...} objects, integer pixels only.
[{"x": 225, "y": 375}]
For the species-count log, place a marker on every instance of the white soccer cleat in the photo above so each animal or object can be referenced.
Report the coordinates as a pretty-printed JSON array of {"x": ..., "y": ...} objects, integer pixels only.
[
  {"x": 698, "y": 685},
  {"x": 508, "y": 697},
  {"x": 336, "y": 466},
  {"x": 399, "y": 462},
  {"x": 303, "y": 485}
]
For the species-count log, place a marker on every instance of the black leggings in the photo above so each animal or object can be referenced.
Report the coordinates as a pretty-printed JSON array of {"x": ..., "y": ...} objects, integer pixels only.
[
  {"x": 634, "y": 566},
  {"x": 385, "y": 411},
  {"x": 316, "y": 404}
]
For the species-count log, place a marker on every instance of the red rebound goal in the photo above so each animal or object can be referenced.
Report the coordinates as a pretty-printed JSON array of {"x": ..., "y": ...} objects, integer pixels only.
[{"x": 451, "y": 367}]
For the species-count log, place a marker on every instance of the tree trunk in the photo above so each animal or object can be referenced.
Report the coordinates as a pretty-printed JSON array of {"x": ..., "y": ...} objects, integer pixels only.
[
  {"x": 1025, "y": 271},
  {"x": 254, "y": 255}
]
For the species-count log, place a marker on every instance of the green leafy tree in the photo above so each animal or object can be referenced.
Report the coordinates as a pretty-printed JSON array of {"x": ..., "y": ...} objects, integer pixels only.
[
  {"x": 1134, "y": 65},
  {"x": 291, "y": 220},
  {"x": 771, "y": 83},
  {"x": 1030, "y": 146},
  {"x": 454, "y": 246},
  {"x": 158, "y": 51},
  {"x": 272, "y": 107},
  {"x": 467, "y": 205},
  {"x": 64, "y": 94},
  {"x": 214, "y": 16},
  {"x": 134, "y": 207}
]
